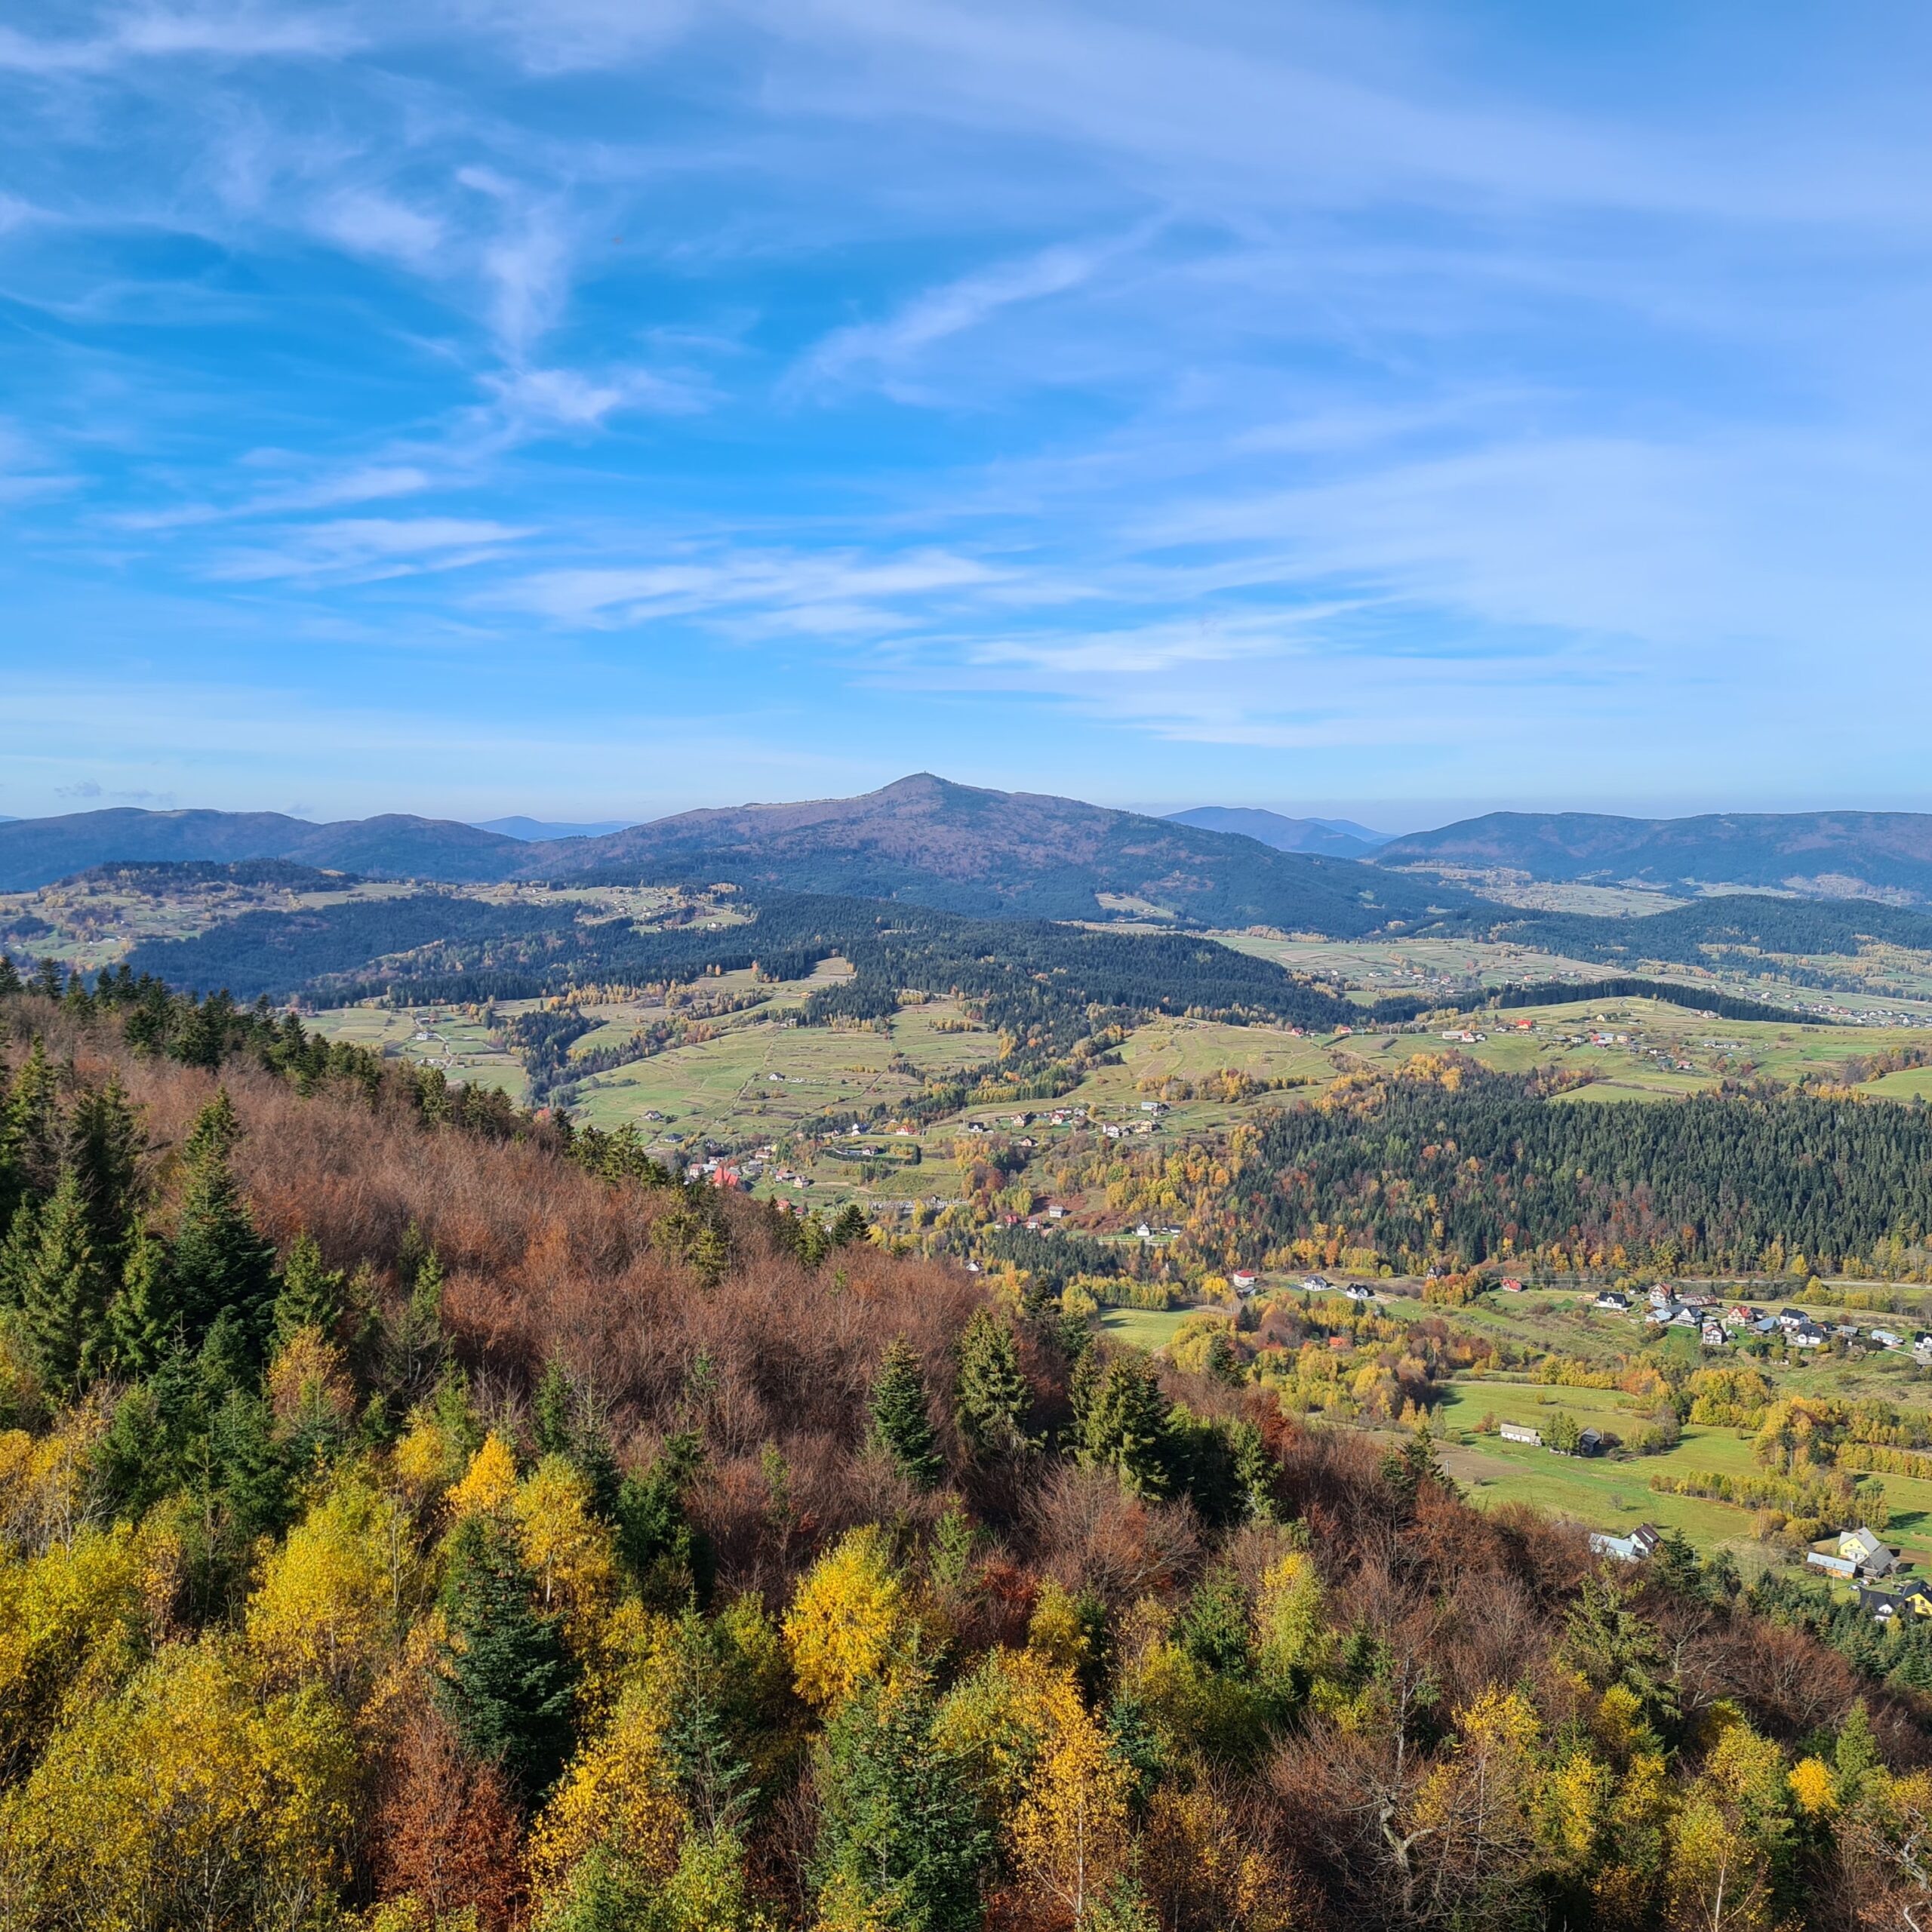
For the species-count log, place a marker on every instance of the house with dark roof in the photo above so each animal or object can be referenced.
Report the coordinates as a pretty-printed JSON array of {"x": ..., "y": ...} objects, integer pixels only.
[{"x": 1632, "y": 1549}]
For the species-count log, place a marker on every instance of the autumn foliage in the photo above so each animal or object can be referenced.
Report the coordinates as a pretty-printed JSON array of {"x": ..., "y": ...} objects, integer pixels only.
[{"x": 412, "y": 1518}]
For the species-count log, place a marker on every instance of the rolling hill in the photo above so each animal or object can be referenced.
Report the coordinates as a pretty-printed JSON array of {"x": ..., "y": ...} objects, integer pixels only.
[
  {"x": 36, "y": 852},
  {"x": 1826, "y": 855},
  {"x": 1327, "y": 837}
]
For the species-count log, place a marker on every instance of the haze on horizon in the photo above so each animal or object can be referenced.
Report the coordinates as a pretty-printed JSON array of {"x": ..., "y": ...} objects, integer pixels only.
[{"x": 596, "y": 410}]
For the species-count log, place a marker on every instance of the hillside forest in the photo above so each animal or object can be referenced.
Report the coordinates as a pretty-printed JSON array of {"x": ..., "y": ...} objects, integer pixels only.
[{"x": 414, "y": 1514}]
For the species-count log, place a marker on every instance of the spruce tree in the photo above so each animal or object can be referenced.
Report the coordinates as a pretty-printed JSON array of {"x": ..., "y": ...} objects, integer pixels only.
[
  {"x": 104, "y": 1145},
  {"x": 18, "y": 1249},
  {"x": 901, "y": 1840},
  {"x": 1128, "y": 1427},
  {"x": 141, "y": 1318},
  {"x": 850, "y": 1225},
  {"x": 311, "y": 1295},
  {"x": 994, "y": 1396},
  {"x": 63, "y": 1291},
  {"x": 29, "y": 1132},
  {"x": 901, "y": 1423},
  {"x": 552, "y": 1406},
  {"x": 219, "y": 1264},
  {"x": 506, "y": 1683}
]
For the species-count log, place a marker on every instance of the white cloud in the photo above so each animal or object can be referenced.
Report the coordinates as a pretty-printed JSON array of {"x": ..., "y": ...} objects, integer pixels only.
[
  {"x": 366, "y": 222},
  {"x": 884, "y": 349},
  {"x": 790, "y": 591},
  {"x": 363, "y": 548},
  {"x": 532, "y": 400}
]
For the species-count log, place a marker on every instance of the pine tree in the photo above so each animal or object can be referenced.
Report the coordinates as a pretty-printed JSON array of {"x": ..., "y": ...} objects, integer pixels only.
[
  {"x": 506, "y": 1683},
  {"x": 311, "y": 1295},
  {"x": 900, "y": 1424},
  {"x": 219, "y": 1264},
  {"x": 1128, "y": 1428},
  {"x": 994, "y": 1395},
  {"x": 63, "y": 1291}
]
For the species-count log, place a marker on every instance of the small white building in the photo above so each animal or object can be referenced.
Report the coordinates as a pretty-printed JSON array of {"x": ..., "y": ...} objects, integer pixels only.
[{"x": 1520, "y": 1431}]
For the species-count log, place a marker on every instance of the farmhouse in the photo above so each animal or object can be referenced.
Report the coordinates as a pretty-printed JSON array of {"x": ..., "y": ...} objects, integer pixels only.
[
  {"x": 1520, "y": 1431},
  {"x": 1632, "y": 1549},
  {"x": 1852, "y": 1553},
  {"x": 1616, "y": 1303},
  {"x": 1909, "y": 1599}
]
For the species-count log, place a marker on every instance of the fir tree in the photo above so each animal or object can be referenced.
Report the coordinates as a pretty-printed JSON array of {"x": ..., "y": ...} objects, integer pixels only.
[
  {"x": 994, "y": 1395},
  {"x": 506, "y": 1683},
  {"x": 63, "y": 1291},
  {"x": 850, "y": 1226},
  {"x": 311, "y": 1295},
  {"x": 1128, "y": 1428},
  {"x": 219, "y": 1264},
  {"x": 901, "y": 1423}
]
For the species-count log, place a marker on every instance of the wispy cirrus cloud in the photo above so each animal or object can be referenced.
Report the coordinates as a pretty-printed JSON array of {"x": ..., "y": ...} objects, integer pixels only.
[
  {"x": 365, "y": 549},
  {"x": 886, "y": 351}
]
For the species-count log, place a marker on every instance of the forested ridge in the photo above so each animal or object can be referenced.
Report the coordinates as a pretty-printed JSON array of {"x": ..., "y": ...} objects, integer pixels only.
[
  {"x": 1447, "y": 1162},
  {"x": 469, "y": 949},
  {"x": 413, "y": 1515}
]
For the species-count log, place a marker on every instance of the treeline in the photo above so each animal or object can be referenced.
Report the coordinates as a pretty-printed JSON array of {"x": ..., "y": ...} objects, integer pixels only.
[
  {"x": 1448, "y": 1163},
  {"x": 1734, "y": 923},
  {"x": 1698, "y": 999}
]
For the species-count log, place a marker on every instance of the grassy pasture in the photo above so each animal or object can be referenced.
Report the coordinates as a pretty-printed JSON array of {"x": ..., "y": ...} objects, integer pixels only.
[
  {"x": 1150, "y": 1328},
  {"x": 438, "y": 1036}
]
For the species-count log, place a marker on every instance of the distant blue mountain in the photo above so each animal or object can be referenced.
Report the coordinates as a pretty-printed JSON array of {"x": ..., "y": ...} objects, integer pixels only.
[
  {"x": 1328, "y": 838},
  {"x": 531, "y": 830}
]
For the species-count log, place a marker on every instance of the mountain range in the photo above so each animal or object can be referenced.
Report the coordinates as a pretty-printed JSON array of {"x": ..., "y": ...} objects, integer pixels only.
[
  {"x": 1825, "y": 855},
  {"x": 1330, "y": 837},
  {"x": 961, "y": 848},
  {"x": 956, "y": 847}
]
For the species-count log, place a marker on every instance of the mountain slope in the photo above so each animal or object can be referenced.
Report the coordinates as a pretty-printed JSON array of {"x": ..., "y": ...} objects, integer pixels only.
[
  {"x": 1327, "y": 837},
  {"x": 35, "y": 852},
  {"x": 959, "y": 848},
  {"x": 1833, "y": 855}
]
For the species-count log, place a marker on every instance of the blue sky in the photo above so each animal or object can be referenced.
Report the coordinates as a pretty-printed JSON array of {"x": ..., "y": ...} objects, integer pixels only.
[{"x": 601, "y": 407}]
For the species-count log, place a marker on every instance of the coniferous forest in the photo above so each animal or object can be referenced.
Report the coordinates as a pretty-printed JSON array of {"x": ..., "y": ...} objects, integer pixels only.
[
  {"x": 1447, "y": 1162},
  {"x": 416, "y": 1515}
]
